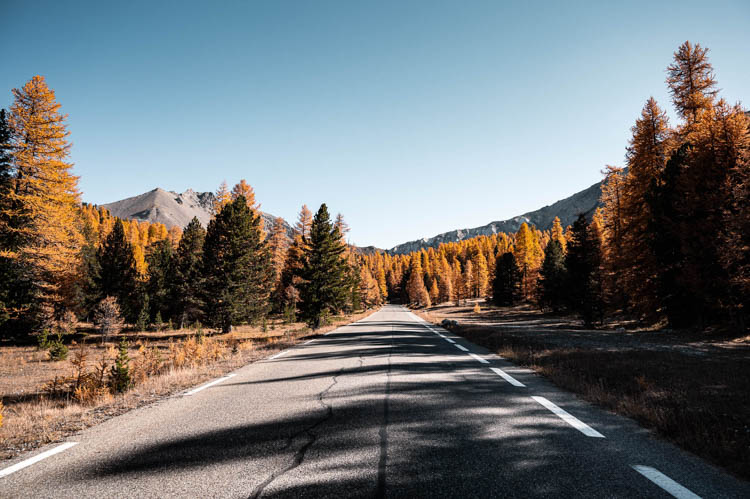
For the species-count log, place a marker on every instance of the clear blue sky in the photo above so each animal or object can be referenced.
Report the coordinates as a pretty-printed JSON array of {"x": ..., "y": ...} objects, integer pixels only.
[{"x": 411, "y": 118}]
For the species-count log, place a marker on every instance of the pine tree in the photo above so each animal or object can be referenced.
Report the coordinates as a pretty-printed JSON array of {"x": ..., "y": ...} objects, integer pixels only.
[
  {"x": 120, "y": 379},
  {"x": 117, "y": 273},
  {"x": 507, "y": 285},
  {"x": 40, "y": 211},
  {"x": 552, "y": 277},
  {"x": 159, "y": 256},
  {"x": 186, "y": 280},
  {"x": 236, "y": 267},
  {"x": 324, "y": 285},
  {"x": 583, "y": 277}
]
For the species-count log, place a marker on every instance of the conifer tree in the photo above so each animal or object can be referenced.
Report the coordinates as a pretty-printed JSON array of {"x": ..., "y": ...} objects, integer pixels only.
[
  {"x": 222, "y": 197},
  {"x": 691, "y": 81},
  {"x": 40, "y": 212},
  {"x": 552, "y": 277},
  {"x": 304, "y": 222},
  {"x": 242, "y": 188},
  {"x": 507, "y": 285},
  {"x": 324, "y": 287},
  {"x": 528, "y": 256},
  {"x": 278, "y": 243},
  {"x": 582, "y": 263},
  {"x": 415, "y": 288},
  {"x": 236, "y": 267},
  {"x": 117, "y": 273},
  {"x": 186, "y": 281},
  {"x": 159, "y": 257},
  {"x": 556, "y": 233}
]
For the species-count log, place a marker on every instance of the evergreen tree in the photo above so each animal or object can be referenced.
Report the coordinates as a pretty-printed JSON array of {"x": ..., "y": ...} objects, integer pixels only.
[
  {"x": 159, "y": 259},
  {"x": 506, "y": 287},
  {"x": 552, "y": 278},
  {"x": 583, "y": 277},
  {"x": 324, "y": 286},
  {"x": 186, "y": 281},
  {"x": 236, "y": 267},
  {"x": 117, "y": 273}
]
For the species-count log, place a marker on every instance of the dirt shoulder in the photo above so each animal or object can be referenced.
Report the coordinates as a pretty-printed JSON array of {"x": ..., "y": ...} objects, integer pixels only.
[
  {"x": 691, "y": 387},
  {"x": 35, "y": 415}
]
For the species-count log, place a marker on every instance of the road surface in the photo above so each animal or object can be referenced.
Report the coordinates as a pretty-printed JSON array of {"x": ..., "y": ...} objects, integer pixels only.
[{"x": 389, "y": 406}]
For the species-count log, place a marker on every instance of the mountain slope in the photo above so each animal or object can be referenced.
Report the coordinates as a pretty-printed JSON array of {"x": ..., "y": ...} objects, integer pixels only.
[
  {"x": 173, "y": 209},
  {"x": 585, "y": 201}
]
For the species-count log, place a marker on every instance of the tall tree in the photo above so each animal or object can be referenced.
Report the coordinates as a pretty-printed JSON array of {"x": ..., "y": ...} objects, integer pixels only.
[
  {"x": 44, "y": 195},
  {"x": 691, "y": 81},
  {"x": 159, "y": 256},
  {"x": 242, "y": 188},
  {"x": 528, "y": 255},
  {"x": 222, "y": 197},
  {"x": 552, "y": 277},
  {"x": 237, "y": 267},
  {"x": 304, "y": 222},
  {"x": 324, "y": 287},
  {"x": 415, "y": 288},
  {"x": 582, "y": 263},
  {"x": 186, "y": 279},
  {"x": 507, "y": 284},
  {"x": 118, "y": 276}
]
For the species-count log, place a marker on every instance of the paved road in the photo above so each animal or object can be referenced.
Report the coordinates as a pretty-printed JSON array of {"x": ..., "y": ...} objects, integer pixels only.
[{"x": 385, "y": 407}]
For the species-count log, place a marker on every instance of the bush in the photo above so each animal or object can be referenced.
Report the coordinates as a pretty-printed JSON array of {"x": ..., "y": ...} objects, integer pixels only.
[
  {"x": 57, "y": 349},
  {"x": 107, "y": 317},
  {"x": 42, "y": 340},
  {"x": 120, "y": 380}
]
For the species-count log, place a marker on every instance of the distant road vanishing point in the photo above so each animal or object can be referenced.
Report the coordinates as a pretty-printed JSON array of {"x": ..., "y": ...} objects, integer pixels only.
[{"x": 389, "y": 406}]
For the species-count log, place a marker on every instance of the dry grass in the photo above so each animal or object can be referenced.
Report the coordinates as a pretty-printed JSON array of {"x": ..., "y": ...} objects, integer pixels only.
[
  {"x": 695, "y": 396},
  {"x": 45, "y": 401}
]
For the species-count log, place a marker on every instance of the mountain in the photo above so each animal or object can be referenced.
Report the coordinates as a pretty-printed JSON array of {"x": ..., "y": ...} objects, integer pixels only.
[
  {"x": 173, "y": 209},
  {"x": 567, "y": 209}
]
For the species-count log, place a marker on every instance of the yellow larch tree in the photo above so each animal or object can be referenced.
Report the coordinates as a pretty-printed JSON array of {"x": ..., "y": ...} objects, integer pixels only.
[
  {"x": 242, "y": 188},
  {"x": 222, "y": 197},
  {"x": 304, "y": 222},
  {"x": 556, "y": 233}
]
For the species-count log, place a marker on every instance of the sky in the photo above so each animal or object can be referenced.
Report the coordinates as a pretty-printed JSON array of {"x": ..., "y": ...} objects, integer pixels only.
[{"x": 410, "y": 118}]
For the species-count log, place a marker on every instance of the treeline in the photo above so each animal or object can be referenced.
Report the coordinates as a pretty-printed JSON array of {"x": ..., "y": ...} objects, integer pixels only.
[
  {"x": 60, "y": 258},
  {"x": 671, "y": 242}
]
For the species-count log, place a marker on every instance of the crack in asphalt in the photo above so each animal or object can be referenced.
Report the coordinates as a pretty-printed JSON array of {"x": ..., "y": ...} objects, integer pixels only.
[
  {"x": 299, "y": 456},
  {"x": 383, "y": 432}
]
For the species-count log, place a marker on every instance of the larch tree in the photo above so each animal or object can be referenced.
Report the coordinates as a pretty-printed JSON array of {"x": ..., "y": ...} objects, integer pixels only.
[
  {"x": 415, "y": 288},
  {"x": 528, "y": 255},
  {"x": 691, "y": 81},
  {"x": 242, "y": 188},
  {"x": 222, "y": 197},
  {"x": 41, "y": 209},
  {"x": 557, "y": 233},
  {"x": 278, "y": 244},
  {"x": 304, "y": 222},
  {"x": 236, "y": 267}
]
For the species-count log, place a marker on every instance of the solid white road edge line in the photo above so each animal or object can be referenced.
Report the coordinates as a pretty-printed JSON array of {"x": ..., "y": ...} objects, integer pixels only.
[
  {"x": 461, "y": 348},
  {"x": 28, "y": 462},
  {"x": 507, "y": 377},
  {"x": 478, "y": 358},
  {"x": 665, "y": 482},
  {"x": 212, "y": 383},
  {"x": 309, "y": 341},
  {"x": 569, "y": 418},
  {"x": 276, "y": 356}
]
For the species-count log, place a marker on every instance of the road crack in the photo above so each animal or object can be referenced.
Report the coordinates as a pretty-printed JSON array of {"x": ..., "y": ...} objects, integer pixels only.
[{"x": 310, "y": 435}]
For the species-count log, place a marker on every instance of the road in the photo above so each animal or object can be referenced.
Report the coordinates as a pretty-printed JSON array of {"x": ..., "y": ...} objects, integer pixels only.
[{"x": 385, "y": 407}]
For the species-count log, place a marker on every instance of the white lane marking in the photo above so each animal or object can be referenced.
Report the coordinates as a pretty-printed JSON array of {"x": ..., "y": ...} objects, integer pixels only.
[
  {"x": 284, "y": 352},
  {"x": 478, "y": 358},
  {"x": 461, "y": 348},
  {"x": 28, "y": 462},
  {"x": 665, "y": 482},
  {"x": 309, "y": 341},
  {"x": 569, "y": 418},
  {"x": 212, "y": 383},
  {"x": 507, "y": 377},
  {"x": 448, "y": 339}
]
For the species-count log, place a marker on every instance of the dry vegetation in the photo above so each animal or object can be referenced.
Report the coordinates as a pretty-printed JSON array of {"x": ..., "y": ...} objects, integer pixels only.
[
  {"x": 692, "y": 387},
  {"x": 43, "y": 401}
]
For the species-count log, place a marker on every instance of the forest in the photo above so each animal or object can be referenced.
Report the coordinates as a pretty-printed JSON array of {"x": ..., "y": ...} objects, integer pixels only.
[{"x": 670, "y": 244}]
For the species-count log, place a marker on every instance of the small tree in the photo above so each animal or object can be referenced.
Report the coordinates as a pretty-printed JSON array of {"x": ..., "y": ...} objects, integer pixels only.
[
  {"x": 120, "y": 380},
  {"x": 107, "y": 318}
]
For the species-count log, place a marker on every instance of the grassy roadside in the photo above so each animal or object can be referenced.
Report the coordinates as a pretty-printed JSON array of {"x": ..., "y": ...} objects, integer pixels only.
[
  {"x": 39, "y": 410},
  {"x": 698, "y": 400}
]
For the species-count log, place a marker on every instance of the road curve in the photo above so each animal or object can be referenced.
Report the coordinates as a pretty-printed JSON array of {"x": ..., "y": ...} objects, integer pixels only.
[{"x": 385, "y": 407}]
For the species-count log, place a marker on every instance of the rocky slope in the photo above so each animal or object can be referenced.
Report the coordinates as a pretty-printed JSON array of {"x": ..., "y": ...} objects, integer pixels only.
[
  {"x": 173, "y": 209},
  {"x": 585, "y": 201}
]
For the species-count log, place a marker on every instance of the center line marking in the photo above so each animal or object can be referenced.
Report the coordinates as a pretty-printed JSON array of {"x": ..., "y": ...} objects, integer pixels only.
[
  {"x": 28, "y": 462},
  {"x": 569, "y": 418},
  {"x": 507, "y": 377},
  {"x": 461, "y": 348},
  {"x": 214, "y": 382},
  {"x": 448, "y": 339},
  {"x": 665, "y": 482},
  {"x": 478, "y": 358}
]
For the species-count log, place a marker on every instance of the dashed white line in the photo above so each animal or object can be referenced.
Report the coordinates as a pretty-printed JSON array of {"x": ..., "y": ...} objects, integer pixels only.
[
  {"x": 278, "y": 355},
  {"x": 309, "y": 341},
  {"x": 569, "y": 418},
  {"x": 478, "y": 358},
  {"x": 507, "y": 377},
  {"x": 212, "y": 383},
  {"x": 28, "y": 462},
  {"x": 665, "y": 482},
  {"x": 461, "y": 347},
  {"x": 448, "y": 339}
]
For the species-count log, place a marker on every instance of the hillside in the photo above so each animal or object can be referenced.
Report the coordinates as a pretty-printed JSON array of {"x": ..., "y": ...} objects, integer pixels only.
[
  {"x": 585, "y": 201},
  {"x": 173, "y": 209}
]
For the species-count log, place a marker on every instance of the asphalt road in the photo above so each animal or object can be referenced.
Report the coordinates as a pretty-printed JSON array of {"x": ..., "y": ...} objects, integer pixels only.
[{"x": 385, "y": 407}]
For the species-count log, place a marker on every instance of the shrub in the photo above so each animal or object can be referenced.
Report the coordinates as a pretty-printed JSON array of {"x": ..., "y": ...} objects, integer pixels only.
[
  {"x": 477, "y": 308},
  {"x": 42, "y": 340},
  {"x": 67, "y": 323},
  {"x": 120, "y": 380},
  {"x": 57, "y": 349},
  {"x": 142, "y": 322},
  {"x": 158, "y": 322}
]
